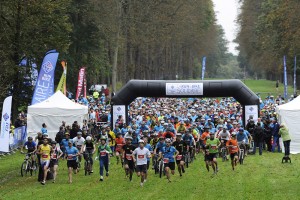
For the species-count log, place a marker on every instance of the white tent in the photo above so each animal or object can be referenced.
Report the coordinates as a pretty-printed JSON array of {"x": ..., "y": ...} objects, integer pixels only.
[
  {"x": 289, "y": 114},
  {"x": 52, "y": 112}
]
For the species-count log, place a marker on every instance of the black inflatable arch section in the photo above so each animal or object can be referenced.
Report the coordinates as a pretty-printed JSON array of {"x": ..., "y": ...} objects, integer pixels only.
[{"x": 211, "y": 88}]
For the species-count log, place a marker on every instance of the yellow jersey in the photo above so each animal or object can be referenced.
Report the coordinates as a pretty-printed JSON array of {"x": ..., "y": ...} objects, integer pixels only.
[{"x": 45, "y": 150}]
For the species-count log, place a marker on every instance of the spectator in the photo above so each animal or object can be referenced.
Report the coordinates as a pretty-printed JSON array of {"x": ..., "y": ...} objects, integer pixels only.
[
  {"x": 258, "y": 136},
  {"x": 284, "y": 133}
]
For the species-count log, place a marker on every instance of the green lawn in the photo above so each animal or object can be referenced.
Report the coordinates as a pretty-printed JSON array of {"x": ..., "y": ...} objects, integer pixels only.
[
  {"x": 261, "y": 177},
  {"x": 265, "y": 87}
]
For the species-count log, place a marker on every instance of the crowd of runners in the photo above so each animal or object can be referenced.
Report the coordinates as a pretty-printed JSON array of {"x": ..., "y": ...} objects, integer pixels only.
[{"x": 164, "y": 135}]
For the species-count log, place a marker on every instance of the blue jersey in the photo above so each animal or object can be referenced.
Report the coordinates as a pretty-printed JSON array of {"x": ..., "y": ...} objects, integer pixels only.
[
  {"x": 44, "y": 130},
  {"x": 159, "y": 146},
  {"x": 168, "y": 152},
  {"x": 240, "y": 137},
  {"x": 188, "y": 139},
  {"x": 71, "y": 152},
  {"x": 64, "y": 142},
  {"x": 30, "y": 146},
  {"x": 148, "y": 146}
]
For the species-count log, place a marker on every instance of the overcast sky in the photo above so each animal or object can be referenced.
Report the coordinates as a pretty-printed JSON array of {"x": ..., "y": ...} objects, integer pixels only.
[{"x": 227, "y": 11}]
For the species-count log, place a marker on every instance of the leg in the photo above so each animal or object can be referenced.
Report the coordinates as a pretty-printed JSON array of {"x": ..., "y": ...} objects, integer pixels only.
[
  {"x": 106, "y": 167},
  {"x": 260, "y": 147},
  {"x": 167, "y": 173},
  {"x": 216, "y": 164},
  {"x": 278, "y": 145},
  {"x": 101, "y": 167},
  {"x": 70, "y": 174},
  {"x": 288, "y": 147},
  {"x": 254, "y": 148},
  {"x": 207, "y": 165}
]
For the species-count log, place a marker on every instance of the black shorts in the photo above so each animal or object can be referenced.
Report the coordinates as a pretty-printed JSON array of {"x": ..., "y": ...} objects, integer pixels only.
[
  {"x": 141, "y": 168},
  {"x": 171, "y": 165},
  {"x": 182, "y": 159},
  {"x": 53, "y": 162},
  {"x": 72, "y": 164},
  {"x": 206, "y": 157},
  {"x": 211, "y": 156},
  {"x": 130, "y": 164},
  {"x": 232, "y": 155}
]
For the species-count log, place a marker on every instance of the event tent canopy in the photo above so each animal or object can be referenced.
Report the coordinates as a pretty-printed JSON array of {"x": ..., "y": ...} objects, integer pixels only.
[
  {"x": 52, "y": 112},
  {"x": 289, "y": 114}
]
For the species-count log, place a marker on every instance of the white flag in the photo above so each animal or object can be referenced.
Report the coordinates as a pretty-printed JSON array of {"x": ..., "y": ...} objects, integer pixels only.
[{"x": 5, "y": 125}]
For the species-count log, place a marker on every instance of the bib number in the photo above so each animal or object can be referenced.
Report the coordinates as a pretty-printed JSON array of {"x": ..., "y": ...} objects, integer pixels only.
[
  {"x": 141, "y": 156},
  {"x": 214, "y": 147},
  {"x": 70, "y": 157},
  {"x": 44, "y": 156},
  {"x": 166, "y": 160},
  {"x": 179, "y": 157},
  {"x": 128, "y": 156},
  {"x": 103, "y": 153}
]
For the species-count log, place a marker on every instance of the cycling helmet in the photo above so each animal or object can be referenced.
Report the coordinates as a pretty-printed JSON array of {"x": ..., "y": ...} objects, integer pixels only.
[
  {"x": 79, "y": 133},
  {"x": 128, "y": 138},
  {"x": 103, "y": 138},
  {"x": 54, "y": 142},
  {"x": 225, "y": 127},
  {"x": 88, "y": 138},
  {"x": 241, "y": 129},
  {"x": 211, "y": 133},
  {"x": 130, "y": 130},
  {"x": 178, "y": 134},
  {"x": 162, "y": 137},
  {"x": 29, "y": 138},
  {"x": 206, "y": 127},
  {"x": 233, "y": 134},
  {"x": 142, "y": 141},
  {"x": 143, "y": 123},
  {"x": 67, "y": 133},
  {"x": 168, "y": 140}
]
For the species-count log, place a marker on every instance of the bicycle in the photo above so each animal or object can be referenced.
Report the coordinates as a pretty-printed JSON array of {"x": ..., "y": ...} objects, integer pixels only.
[
  {"x": 28, "y": 165},
  {"x": 78, "y": 160},
  {"x": 87, "y": 164},
  {"x": 187, "y": 159},
  {"x": 155, "y": 164},
  {"x": 161, "y": 167},
  {"x": 224, "y": 154},
  {"x": 242, "y": 148}
]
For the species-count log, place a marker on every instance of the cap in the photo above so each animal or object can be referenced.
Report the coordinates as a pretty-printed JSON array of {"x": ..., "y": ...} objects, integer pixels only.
[{"x": 141, "y": 141}]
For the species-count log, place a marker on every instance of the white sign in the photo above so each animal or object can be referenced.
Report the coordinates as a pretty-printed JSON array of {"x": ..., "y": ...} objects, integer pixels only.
[
  {"x": 119, "y": 110},
  {"x": 184, "y": 89},
  {"x": 5, "y": 125},
  {"x": 251, "y": 110}
]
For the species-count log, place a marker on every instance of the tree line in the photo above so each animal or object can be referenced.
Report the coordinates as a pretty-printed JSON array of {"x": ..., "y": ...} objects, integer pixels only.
[
  {"x": 269, "y": 29},
  {"x": 116, "y": 40}
]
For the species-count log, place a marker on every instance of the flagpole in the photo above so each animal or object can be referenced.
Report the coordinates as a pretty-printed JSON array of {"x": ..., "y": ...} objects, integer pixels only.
[{"x": 295, "y": 76}]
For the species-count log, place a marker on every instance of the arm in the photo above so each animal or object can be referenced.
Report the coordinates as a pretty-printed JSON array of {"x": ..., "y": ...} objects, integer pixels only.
[{"x": 60, "y": 154}]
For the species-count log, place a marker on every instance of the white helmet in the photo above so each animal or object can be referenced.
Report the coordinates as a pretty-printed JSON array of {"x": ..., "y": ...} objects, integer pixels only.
[
  {"x": 141, "y": 141},
  {"x": 88, "y": 138}
]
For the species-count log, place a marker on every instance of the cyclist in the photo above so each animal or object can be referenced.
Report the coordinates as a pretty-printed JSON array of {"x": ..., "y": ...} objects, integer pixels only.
[
  {"x": 242, "y": 138},
  {"x": 128, "y": 148},
  {"x": 56, "y": 153},
  {"x": 71, "y": 154},
  {"x": 31, "y": 150},
  {"x": 45, "y": 151},
  {"x": 224, "y": 136},
  {"x": 89, "y": 149},
  {"x": 154, "y": 140},
  {"x": 159, "y": 145},
  {"x": 204, "y": 136},
  {"x": 119, "y": 144},
  {"x": 181, "y": 147},
  {"x": 213, "y": 145},
  {"x": 168, "y": 153},
  {"x": 79, "y": 142},
  {"x": 181, "y": 128},
  {"x": 233, "y": 147},
  {"x": 169, "y": 134},
  {"x": 65, "y": 141},
  {"x": 142, "y": 154},
  {"x": 103, "y": 154}
]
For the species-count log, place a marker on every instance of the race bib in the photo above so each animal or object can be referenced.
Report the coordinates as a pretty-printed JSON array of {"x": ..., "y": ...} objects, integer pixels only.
[
  {"x": 70, "y": 156},
  {"x": 44, "y": 156},
  {"x": 179, "y": 157},
  {"x": 103, "y": 153},
  {"x": 54, "y": 156},
  {"x": 141, "y": 156},
  {"x": 166, "y": 160},
  {"x": 128, "y": 156},
  {"x": 214, "y": 147}
]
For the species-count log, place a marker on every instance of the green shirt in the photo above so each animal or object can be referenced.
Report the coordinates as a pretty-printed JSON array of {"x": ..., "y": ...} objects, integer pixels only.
[
  {"x": 284, "y": 132},
  {"x": 104, "y": 148},
  {"x": 213, "y": 145}
]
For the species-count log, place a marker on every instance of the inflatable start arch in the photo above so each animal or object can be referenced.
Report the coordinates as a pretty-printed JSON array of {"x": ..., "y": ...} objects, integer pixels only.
[{"x": 184, "y": 89}]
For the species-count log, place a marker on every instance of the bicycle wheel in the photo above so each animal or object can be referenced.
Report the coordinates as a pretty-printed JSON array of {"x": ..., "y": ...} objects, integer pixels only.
[
  {"x": 160, "y": 169},
  {"x": 85, "y": 168},
  {"x": 24, "y": 169},
  {"x": 186, "y": 161},
  {"x": 35, "y": 168},
  {"x": 223, "y": 155}
]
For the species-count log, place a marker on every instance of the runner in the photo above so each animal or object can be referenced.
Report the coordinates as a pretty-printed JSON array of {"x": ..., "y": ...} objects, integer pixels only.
[
  {"x": 56, "y": 153},
  {"x": 79, "y": 142},
  {"x": 103, "y": 154},
  {"x": 142, "y": 154},
  {"x": 181, "y": 147},
  {"x": 213, "y": 145},
  {"x": 89, "y": 150},
  {"x": 71, "y": 154},
  {"x": 233, "y": 147},
  {"x": 168, "y": 153},
  {"x": 64, "y": 142},
  {"x": 44, "y": 150},
  {"x": 119, "y": 144},
  {"x": 128, "y": 149}
]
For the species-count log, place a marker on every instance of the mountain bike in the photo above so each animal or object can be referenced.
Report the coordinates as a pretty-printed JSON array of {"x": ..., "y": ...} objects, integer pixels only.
[
  {"x": 28, "y": 166},
  {"x": 87, "y": 164}
]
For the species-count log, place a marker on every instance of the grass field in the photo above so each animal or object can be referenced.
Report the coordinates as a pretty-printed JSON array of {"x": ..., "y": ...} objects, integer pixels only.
[
  {"x": 261, "y": 177},
  {"x": 265, "y": 87}
]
